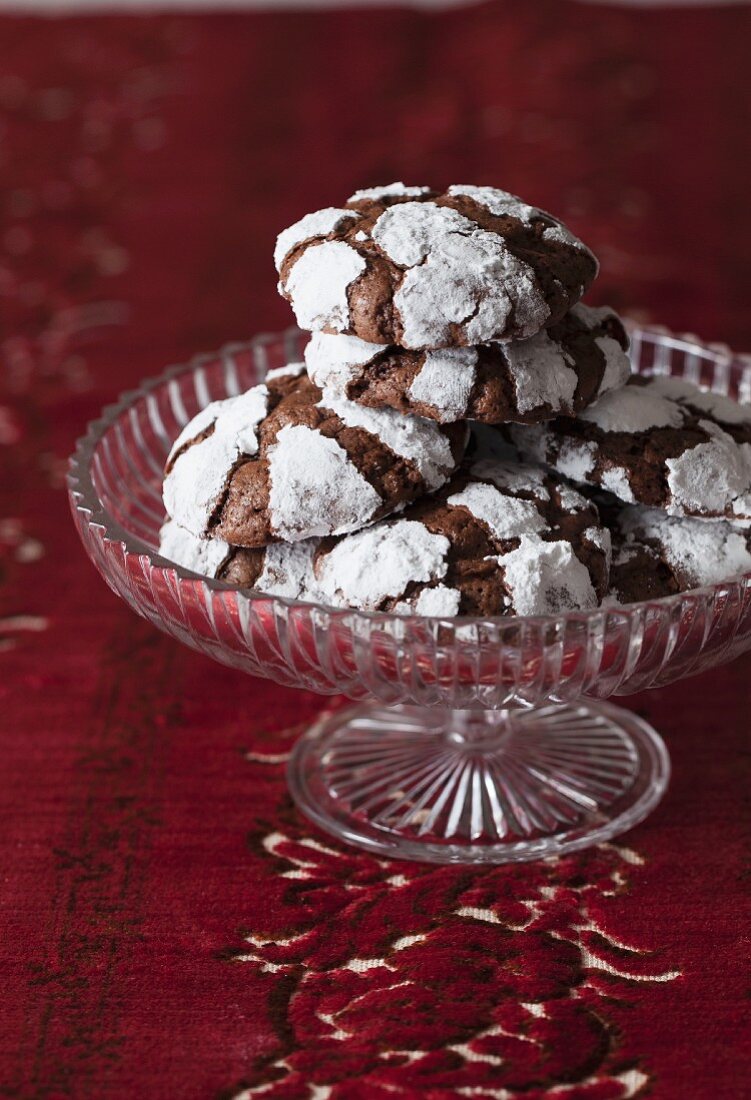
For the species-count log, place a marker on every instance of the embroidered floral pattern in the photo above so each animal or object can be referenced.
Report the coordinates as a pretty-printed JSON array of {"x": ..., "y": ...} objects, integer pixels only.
[{"x": 405, "y": 979}]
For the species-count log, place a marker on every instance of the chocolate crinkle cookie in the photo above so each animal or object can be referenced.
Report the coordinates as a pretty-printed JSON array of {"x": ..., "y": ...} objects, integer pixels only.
[
  {"x": 278, "y": 463},
  {"x": 499, "y": 539},
  {"x": 656, "y": 555},
  {"x": 558, "y": 371},
  {"x": 658, "y": 441},
  {"x": 427, "y": 269},
  {"x": 279, "y": 569}
]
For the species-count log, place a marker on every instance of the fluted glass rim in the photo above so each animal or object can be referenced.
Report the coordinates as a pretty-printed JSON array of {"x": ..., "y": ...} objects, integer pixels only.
[{"x": 87, "y": 502}]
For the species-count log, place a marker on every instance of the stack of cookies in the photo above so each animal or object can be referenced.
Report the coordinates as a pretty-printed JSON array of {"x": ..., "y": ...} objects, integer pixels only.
[{"x": 429, "y": 456}]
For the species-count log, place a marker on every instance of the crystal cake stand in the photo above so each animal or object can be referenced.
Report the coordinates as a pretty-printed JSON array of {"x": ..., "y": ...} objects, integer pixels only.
[{"x": 472, "y": 740}]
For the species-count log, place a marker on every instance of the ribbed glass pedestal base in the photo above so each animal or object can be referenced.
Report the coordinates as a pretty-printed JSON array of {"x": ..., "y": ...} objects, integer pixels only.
[{"x": 478, "y": 786}]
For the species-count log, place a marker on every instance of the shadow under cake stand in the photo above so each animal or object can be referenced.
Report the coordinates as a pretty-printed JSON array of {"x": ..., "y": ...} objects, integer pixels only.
[{"x": 472, "y": 740}]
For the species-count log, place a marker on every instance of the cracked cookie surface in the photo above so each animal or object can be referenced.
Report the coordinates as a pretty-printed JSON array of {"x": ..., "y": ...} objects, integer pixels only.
[
  {"x": 559, "y": 371},
  {"x": 656, "y": 555},
  {"x": 658, "y": 441},
  {"x": 426, "y": 269},
  {"x": 500, "y": 539},
  {"x": 278, "y": 463}
]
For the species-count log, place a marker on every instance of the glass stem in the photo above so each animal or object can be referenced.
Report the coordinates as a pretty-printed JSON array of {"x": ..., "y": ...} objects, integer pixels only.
[{"x": 481, "y": 729}]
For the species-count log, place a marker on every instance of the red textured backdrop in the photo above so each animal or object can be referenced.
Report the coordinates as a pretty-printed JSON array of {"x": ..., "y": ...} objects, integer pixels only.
[{"x": 172, "y": 928}]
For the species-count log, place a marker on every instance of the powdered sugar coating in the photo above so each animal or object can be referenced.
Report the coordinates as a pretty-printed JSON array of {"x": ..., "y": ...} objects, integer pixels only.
[
  {"x": 617, "y": 365},
  {"x": 615, "y": 480},
  {"x": 288, "y": 570},
  {"x": 198, "y": 424},
  {"x": 378, "y": 564},
  {"x": 600, "y": 537},
  {"x": 633, "y": 409},
  {"x": 315, "y": 488},
  {"x": 704, "y": 552},
  {"x": 205, "y": 556},
  {"x": 457, "y": 274},
  {"x": 439, "y": 601},
  {"x": 558, "y": 371},
  {"x": 497, "y": 201},
  {"x": 575, "y": 460},
  {"x": 445, "y": 381},
  {"x": 409, "y": 232},
  {"x": 430, "y": 561},
  {"x": 542, "y": 373},
  {"x": 507, "y": 517},
  {"x": 198, "y": 475},
  {"x": 283, "y": 462},
  {"x": 511, "y": 475},
  {"x": 496, "y": 540},
  {"x": 571, "y": 500},
  {"x": 504, "y": 204},
  {"x": 333, "y": 360},
  {"x": 564, "y": 236},
  {"x": 420, "y": 441},
  {"x": 293, "y": 369},
  {"x": 547, "y": 578},
  {"x": 542, "y": 576},
  {"x": 675, "y": 389},
  {"x": 318, "y": 224},
  {"x": 390, "y": 190},
  {"x": 318, "y": 284},
  {"x": 711, "y": 475},
  {"x": 716, "y": 405},
  {"x": 721, "y": 408}
]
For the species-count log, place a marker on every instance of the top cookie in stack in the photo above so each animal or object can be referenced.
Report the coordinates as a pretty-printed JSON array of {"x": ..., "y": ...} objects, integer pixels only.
[{"x": 423, "y": 269}]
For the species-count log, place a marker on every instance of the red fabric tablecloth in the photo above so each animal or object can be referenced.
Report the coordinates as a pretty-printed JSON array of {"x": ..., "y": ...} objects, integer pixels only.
[{"x": 172, "y": 927}]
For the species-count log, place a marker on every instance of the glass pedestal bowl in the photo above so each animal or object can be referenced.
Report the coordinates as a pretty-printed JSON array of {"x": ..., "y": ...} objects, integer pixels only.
[{"x": 471, "y": 740}]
